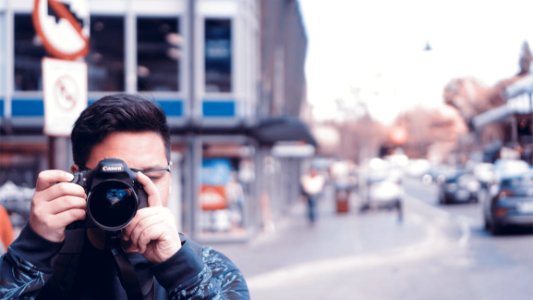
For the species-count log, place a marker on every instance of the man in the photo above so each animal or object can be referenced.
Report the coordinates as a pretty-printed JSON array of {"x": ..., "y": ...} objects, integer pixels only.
[{"x": 50, "y": 261}]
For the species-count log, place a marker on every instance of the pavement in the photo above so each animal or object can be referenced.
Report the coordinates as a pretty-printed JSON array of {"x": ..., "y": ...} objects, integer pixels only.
[{"x": 293, "y": 258}]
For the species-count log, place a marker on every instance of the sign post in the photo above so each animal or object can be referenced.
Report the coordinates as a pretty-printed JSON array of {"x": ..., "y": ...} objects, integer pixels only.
[{"x": 63, "y": 27}]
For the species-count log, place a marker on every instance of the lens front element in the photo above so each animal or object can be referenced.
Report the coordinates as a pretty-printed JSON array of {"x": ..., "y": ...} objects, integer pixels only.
[{"x": 112, "y": 204}]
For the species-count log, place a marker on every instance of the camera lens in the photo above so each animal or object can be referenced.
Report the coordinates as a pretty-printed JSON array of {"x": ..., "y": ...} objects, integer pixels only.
[{"x": 112, "y": 204}]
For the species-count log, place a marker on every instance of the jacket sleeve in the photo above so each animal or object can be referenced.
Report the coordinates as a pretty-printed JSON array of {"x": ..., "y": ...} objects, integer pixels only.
[
  {"x": 195, "y": 272},
  {"x": 26, "y": 266}
]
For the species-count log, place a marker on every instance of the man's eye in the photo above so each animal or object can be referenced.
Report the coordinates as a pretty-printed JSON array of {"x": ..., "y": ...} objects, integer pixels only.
[{"x": 154, "y": 176}]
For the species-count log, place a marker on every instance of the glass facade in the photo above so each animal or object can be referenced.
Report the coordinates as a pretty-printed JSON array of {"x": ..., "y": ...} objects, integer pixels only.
[
  {"x": 28, "y": 55},
  {"x": 105, "y": 60},
  {"x": 159, "y": 53},
  {"x": 218, "y": 56},
  {"x": 140, "y": 46},
  {"x": 106, "y": 57},
  {"x": 226, "y": 179}
]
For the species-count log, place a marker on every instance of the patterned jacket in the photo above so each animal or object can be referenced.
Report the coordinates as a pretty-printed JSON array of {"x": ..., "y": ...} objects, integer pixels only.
[{"x": 34, "y": 268}]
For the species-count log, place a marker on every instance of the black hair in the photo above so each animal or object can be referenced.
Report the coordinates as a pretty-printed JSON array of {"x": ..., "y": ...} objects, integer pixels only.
[{"x": 116, "y": 113}]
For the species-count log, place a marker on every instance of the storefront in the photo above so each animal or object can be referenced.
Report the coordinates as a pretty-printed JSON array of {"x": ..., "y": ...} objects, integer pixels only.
[
  {"x": 509, "y": 125},
  {"x": 199, "y": 60}
]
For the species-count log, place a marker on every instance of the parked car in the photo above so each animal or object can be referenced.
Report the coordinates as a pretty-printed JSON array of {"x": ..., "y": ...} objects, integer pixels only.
[
  {"x": 417, "y": 168},
  {"x": 458, "y": 187},
  {"x": 507, "y": 167},
  {"x": 437, "y": 173},
  {"x": 385, "y": 192},
  {"x": 383, "y": 186},
  {"x": 484, "y": 173},
  {"x": 510, "y": 203}
]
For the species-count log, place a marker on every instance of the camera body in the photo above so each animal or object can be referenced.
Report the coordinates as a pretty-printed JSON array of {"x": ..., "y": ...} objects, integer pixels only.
[{"x": 113, "y": 194}]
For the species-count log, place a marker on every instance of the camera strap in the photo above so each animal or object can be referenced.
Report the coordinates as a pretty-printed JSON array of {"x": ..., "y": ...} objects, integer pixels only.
[{"x": 126, "y": 272}]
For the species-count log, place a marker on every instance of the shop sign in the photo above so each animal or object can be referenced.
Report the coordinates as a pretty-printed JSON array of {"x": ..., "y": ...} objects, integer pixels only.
[{"x": 216, "y": 173}]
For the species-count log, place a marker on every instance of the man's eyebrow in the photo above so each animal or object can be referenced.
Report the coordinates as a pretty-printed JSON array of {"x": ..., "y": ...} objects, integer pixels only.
[{"x": 153, "y": 168}]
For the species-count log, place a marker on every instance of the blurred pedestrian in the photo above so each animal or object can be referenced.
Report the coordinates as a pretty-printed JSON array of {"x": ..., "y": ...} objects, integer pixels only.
[
  {"x": 235, "y": 194},
  {"x": 312, "y": 186},
  {"x": 6, "y": 230}
]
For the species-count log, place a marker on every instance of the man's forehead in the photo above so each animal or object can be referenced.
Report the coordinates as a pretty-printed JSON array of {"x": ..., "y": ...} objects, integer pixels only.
[{"x": 140, "y": 150}]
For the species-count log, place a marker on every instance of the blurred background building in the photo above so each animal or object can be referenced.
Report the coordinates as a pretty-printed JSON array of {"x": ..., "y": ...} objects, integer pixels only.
[{"x": 228, "y": 73}]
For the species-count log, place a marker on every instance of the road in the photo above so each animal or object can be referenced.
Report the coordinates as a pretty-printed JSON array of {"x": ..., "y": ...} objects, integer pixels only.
[{"x": 437, "y": 252}]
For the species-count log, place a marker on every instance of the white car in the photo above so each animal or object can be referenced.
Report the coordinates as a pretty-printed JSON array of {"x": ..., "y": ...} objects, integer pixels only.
[{"x": 384, "y": 192}]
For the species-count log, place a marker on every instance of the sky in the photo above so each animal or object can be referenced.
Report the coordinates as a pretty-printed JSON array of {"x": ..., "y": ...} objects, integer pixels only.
[{"x": 372, "y": 52}]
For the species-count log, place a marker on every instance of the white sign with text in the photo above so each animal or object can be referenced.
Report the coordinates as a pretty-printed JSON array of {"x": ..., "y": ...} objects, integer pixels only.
[{"x": 65, "y": 94}]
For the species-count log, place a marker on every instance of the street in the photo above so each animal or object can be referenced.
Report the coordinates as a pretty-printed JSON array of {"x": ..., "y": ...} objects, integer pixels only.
[
  {"x": 138, "y": 119},
  {"x": 437, "y": 252}
]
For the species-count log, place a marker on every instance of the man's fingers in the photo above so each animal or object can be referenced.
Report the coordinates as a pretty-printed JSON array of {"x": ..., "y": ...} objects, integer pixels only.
[
  {"x": 153, "y": 233},
  {"x": 65, "y": 203},
  {"x": 142, "y": 214},
  {"x": 45, "y": 208},
  {"x": 141, "y": 227},
  {"x": 150, "y": 233},
  {"x": 50, "y": 177},
  {"x": 151, "y": 190},
  {"x": 65, "y": 188},
  {"x": 67, "y": 217}
]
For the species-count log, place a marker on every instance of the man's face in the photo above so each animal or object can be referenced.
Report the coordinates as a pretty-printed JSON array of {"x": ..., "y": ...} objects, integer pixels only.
[{"x": 140, "y": 150}]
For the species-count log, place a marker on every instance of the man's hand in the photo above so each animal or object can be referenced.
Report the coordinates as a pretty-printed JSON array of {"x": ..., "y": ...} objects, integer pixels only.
[
  {"x": 153, "y": 231},
  {"x": 57, "y": 202}
]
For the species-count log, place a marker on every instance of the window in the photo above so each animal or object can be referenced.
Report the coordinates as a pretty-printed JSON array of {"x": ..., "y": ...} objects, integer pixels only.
[
  {"x": 218, "y": 48},
  {"x": 28, "y": 55},
  {"x": 159, "y": 52},
  {"x": 106, "y": 56}
]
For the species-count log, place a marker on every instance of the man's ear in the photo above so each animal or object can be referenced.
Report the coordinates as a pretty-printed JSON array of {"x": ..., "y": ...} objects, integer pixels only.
[{"x": 74, "y": 168}]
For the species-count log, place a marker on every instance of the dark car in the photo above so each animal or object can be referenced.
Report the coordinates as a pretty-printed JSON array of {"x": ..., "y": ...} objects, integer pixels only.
[
  {"x": 458, "y": 187},
  {"x": 510, "y": 203}
]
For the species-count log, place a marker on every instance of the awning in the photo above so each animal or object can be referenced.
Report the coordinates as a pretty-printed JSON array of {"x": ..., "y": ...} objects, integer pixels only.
[
  {"x": 282, "y": 129},
  {"x": 518, "y": 102},
  {"x": 267, "y": 131},
  {"x": 517, "y": 105}
]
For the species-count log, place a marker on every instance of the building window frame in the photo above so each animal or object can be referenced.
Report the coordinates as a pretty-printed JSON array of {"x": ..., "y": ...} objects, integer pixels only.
[
  {"x": 122, "y": 86},
  {"x": 233, "y": 58},
  {"x": 180, "y": 62}
]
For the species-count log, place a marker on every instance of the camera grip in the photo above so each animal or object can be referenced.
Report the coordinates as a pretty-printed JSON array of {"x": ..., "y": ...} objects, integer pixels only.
[{"x": 79, "y": 178}]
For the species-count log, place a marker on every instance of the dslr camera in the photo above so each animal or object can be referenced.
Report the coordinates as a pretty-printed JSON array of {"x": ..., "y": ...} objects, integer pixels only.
[{"x": 113, "y": 194}]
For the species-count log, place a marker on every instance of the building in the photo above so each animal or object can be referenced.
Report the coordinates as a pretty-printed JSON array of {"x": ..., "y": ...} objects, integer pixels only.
[
  {"x": 510, "y": 124},
  {"x": 228, "y": 73}
]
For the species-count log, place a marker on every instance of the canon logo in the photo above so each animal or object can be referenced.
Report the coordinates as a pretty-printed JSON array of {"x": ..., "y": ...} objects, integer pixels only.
[{"x": 112, "y": 168}]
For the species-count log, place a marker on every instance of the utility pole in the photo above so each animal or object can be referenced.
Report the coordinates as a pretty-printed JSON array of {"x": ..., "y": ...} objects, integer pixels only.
[{"x": 192, "y": 184}]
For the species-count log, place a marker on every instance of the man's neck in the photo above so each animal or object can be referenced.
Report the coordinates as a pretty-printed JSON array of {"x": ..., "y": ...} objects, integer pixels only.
[{"x": 97, "y": 238}]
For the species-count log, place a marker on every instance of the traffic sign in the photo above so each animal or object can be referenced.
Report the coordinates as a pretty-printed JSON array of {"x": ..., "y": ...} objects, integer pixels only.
[
  {"x": 65, "y": 94},
  {"x": 63, "y": 27}
]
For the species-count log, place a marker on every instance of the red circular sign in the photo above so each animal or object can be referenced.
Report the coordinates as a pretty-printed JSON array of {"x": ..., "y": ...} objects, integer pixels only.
[{"x": 63, "y": 27}]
